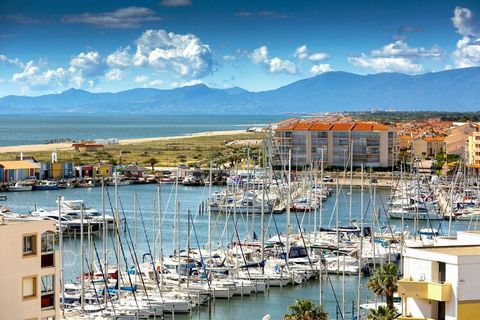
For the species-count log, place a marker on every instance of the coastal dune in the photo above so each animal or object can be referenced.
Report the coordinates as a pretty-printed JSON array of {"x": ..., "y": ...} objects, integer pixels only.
[{"x": 68, "y": 146}]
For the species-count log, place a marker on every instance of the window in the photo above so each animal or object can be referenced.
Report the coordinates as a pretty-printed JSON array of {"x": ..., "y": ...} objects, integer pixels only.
[
  {"x": 47, "y": 291},
  {"x": 48, "y": 318},
  {"x": 29, "y": 245},
  {"x": 48, "y": 240},
  {"x": 29, "y": 287},
  {"x": 48, "y": 284}
]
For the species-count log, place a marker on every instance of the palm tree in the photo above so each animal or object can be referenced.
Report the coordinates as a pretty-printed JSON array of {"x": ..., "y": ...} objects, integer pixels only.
[
  {"x": 152, "y": 162},
  {"x": 305, "y": 309},
  {"x": 384, "y": 282},
  {"x": 382, "y": 313}
]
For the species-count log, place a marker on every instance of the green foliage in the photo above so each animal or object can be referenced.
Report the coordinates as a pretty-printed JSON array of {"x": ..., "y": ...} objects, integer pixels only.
[
  {"x": 305, "y": 309},
  {"x": 382, "y": 313},
  {"x": 385, "y": 282},
  {"x": 402, "y": 116}
]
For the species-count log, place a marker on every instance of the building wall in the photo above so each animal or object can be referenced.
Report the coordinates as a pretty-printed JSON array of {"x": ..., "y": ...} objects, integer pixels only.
[
  {"x": 14, "y": 266},
  {"x": 456, "y": 139}
]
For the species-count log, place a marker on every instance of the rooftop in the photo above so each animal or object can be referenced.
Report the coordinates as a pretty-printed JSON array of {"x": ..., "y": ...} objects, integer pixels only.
[{"x": 459, "y": 251}]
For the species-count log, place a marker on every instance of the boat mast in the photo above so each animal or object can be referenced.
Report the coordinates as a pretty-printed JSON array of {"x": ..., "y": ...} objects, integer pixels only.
[
  {"x": 117, "y": 231},
  {"x": 160, "y": 231},
  {"x": 262, "y": 213},
  {"x": 60, "y": 245},
  {"x": 351, "y": 182},
  {"x": 359, "y": 286},
  {"x": 210, "y": 214},
  {"x": 105, "y": 236},
  {"x": 82, "y": 275},
  {"x": 289, "y": 179}
]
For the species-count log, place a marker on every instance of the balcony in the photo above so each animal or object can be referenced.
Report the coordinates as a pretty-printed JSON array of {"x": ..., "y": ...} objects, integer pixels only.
[{"x": 424, "y": 290}]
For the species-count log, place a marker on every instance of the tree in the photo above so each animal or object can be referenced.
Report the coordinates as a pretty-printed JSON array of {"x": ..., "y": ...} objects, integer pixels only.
[
  {"x": 385, "y": 282},
  {"x": 305, "y": 309},
  {"x": 382, "y": 313},
  {"x": 152, "y": 162}
]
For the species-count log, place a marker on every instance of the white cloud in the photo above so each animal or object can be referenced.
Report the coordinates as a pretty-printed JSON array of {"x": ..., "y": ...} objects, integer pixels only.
[
  {"x": 156, "y": 83},
  {"x": 16, "y": 61},
  {"x": 120, "y": 58},
  {"x": 396, "y": 57},
  {"x": 115, "y": 74},
  {"x": 277, "y": 65},
  {"x": 260, "y": 55},
  {"x": 184, "y": 55},
  {"x": 467, "y": 53},
  {"x": 87, "y": 64},
  {"x": 186, "y": 83},
  {"x": 402, "y": 49},
  {"x": 229, "y": 58},
  {"x": 176, "y": 3},
  {"x": 34, "y": 78},
  {"x": 274, "y": 65},
  {"x": 141, "y": 78},
  {"x": 320, "y": 68},
  {"x": 318, "y": 56},
  {"x": 122, "y": 18},
  {"x": 386, "y": 64},
  {"x": 303, "y": 53}
]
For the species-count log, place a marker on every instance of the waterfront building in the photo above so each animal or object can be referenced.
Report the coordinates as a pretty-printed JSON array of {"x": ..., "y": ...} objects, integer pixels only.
[
  {"x": 473, "y": 149},
  {"x": 372, "y": 144},
  {"x": 29, "y": 271},
  {"x": 12, "y": 171},
  {"x": 428, "y": 146},
  {"x": 440, "y": 281},
  {"x": 456, "y": 138}
]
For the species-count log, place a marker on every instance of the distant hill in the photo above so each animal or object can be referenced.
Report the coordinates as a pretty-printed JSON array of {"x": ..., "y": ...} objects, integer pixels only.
[{"x": 451, "y": 90}]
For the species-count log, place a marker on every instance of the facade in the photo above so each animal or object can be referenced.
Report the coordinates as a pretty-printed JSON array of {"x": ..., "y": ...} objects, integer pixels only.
[
  {"x": 440, "y": 282},
  {"x": 11, "y": 171},
  {"x": 457, "y": 137},
  {"x": 29, "y": 271},
  {"x": 311, "y": 141},
  {"x": 473, "y": 149},
  {"x": 428, "y": 146}
]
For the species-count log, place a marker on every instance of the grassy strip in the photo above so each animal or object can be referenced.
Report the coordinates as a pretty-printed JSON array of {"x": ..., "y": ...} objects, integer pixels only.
[{"x": 192, "y": 151}]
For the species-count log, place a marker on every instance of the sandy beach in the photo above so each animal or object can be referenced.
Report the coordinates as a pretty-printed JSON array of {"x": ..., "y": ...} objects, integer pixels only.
[{"x": 68, "y": 146}]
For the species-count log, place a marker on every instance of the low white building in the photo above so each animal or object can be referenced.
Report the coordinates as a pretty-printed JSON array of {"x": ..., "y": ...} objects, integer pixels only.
[{"x": 441, "y": 281}]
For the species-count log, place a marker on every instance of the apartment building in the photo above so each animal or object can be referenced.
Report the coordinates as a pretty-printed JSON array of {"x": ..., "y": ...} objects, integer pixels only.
[
  {"x": 29, "y": 271},
  {"x": 457, "y": 137},
  {"x": 473, "y": 149},
  {"x": 440, "y": 281},
  {"x": 313, "y": 140},
  {"x": 428, "y": 146}
]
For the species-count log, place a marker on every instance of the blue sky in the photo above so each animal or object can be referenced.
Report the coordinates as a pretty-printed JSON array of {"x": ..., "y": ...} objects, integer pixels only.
[{"x": 49, "y": 46}]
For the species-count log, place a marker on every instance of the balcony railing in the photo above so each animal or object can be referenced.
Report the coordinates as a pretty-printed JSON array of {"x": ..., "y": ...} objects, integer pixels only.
[{"x": 424, "y": 290}]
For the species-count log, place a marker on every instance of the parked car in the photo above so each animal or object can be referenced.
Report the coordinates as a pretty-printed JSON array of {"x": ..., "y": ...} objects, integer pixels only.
[{"x": 327, "y": 179}]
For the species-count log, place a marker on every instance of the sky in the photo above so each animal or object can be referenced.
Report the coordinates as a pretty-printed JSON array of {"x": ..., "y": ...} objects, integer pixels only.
[{"x": 50, "y": 46}]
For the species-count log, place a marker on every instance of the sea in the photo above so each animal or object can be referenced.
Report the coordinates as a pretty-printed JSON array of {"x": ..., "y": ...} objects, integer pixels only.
[{"x": 37, "y": 129}]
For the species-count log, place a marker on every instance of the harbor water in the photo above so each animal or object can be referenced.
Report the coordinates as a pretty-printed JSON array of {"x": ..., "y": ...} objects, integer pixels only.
[{"x": 275, "y": 303}]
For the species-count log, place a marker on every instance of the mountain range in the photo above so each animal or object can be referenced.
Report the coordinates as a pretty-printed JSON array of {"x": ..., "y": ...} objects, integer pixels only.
[{"x": 450, "y": 90}]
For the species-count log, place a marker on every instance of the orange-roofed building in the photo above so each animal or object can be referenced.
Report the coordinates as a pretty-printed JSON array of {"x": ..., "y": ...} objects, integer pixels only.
[
  {"x": 336, "y": 143},
  {"x": 428, "y": 146}
]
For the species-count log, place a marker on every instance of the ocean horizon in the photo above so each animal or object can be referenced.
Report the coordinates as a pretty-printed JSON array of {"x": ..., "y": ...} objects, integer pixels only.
[{"x": 28, "y": 129}]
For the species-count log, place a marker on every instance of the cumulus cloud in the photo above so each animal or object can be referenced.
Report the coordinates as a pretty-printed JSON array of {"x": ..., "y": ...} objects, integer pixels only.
[
  {"x": 176, "y": 3},
  {"x": 115, "y": 74},
  {"x": 402, "y": 49},
  {"x": 273, "y": 65},
  {"x": 120, "y": 58},
  {"x": 183, "y": 54},
  {"x": 186, "y": 83},
  {"x": 386, "y": 64},
  {"x": 141, "y": 78},
  {"x": 34, "y": 78},
  {"x": 303, "y": 53},
  {"x": 122, "y": 18},
  {"x": 467, "y": 52},
  {"x": 229, "y": 58},
  {"x": 320, "y": 68},
  {"x": 156, "y": 83},
  {"x": 396, "y": 57},
  {"x": 15, "y": 62},
  {"x": 87, "y": 64}
]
